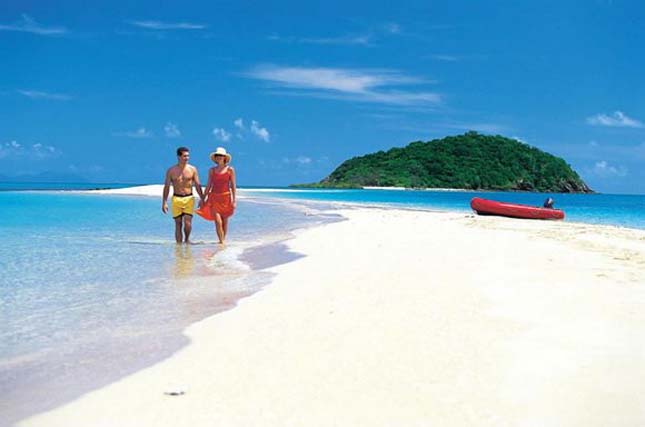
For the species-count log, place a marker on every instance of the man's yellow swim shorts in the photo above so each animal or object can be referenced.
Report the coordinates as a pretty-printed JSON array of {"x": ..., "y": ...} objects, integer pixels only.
[{"x": 182, "y": 205}]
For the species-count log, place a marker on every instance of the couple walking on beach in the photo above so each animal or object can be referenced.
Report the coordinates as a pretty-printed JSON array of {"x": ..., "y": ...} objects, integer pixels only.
[{"x": 217, "y": 202}]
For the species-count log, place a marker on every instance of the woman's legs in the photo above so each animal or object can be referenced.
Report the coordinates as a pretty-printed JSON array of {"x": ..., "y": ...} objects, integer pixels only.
[
  {"x": 225, "y": 226},
  {"x": 218, "y": 227}
]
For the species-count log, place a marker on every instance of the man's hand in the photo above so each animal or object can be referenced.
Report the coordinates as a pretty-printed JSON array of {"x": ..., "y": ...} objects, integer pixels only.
[{"x": 164, "y": 207}]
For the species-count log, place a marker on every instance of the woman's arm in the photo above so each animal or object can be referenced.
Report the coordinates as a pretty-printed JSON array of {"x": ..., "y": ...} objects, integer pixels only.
[
  {"x": 209, "y": 185},
  {"x": 232, "y": 186}
]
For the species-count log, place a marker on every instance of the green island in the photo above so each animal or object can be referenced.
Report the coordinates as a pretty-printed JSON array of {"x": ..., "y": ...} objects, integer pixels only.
[{"x": 471, "y": 161}]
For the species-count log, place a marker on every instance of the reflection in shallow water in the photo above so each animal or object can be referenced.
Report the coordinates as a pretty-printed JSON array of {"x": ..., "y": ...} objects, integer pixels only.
[{"x": 184, "y": 261}]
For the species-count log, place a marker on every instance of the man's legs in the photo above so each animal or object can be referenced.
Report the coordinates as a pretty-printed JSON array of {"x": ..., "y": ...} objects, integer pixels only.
[
  {"x": 178, "y": 234},
  {"x": 188, "y": 226}
]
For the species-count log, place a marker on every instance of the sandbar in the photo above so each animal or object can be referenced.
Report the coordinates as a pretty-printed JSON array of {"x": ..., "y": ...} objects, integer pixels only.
[{"x": 411, "y": 318}]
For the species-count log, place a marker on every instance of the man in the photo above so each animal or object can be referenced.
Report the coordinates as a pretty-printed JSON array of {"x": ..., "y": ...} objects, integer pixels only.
[{"x": 182, "y": 176}]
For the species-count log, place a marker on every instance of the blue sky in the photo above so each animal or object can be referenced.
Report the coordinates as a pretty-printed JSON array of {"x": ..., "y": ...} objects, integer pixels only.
[{"x": 293, "y": 88}]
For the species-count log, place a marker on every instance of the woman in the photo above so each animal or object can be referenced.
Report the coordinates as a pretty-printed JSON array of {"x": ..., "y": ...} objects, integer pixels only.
[{"x": 219, "y": 197}]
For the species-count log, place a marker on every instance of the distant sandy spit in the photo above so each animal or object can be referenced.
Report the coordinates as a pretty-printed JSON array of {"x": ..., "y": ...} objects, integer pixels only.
[
  {"x": 458, "y": 190},
  {"x": 156, "y": 190},
  {"x": 410, "y": 318},
  {"x": 384, "y": 188},
  {"x": 141, "y": 190}
]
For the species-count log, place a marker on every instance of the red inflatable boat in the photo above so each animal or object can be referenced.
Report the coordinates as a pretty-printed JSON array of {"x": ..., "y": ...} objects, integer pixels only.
[{"x": 492, "y": 207}]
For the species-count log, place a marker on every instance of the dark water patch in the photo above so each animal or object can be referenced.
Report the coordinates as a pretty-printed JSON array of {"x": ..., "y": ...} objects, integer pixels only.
[{"x": 266, "y": 256}]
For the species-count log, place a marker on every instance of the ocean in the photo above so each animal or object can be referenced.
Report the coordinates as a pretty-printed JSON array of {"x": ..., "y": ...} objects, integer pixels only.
[
  {"x": 621, "y": 210},
  {"x": 94, "y": 287}
]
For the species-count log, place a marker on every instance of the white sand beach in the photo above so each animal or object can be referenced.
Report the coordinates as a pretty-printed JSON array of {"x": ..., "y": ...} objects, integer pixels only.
[
  {"x": 411, "y": 318},
  {"x": 142, "y": 190}
]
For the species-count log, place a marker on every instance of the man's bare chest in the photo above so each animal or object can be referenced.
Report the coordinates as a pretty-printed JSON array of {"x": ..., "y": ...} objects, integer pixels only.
[{"x": 182, "y": 176}]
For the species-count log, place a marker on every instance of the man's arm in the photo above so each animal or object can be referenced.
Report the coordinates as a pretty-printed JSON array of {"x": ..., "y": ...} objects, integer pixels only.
[
  {"x": 166, "y": 190},
  {"x": 198, "y": 186}
]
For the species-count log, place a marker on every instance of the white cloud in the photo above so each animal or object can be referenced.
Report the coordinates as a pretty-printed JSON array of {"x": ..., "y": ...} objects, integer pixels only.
[
  {"x": 158, "y": 25},
  {"x": 342, "y": 40},
  {"x": 39, "y": 151},
  {"x": 447, "y": 58},
  {"x": 364, "y": 39},
  {"x": 299, "y": 161},
  {"x": 8, "y": 149},
  {"x": 255, "y": 128},
  {"x": 221, "y": 134},
  {"x": 375, "y": 86},
  {"x": 617, "y": 119},
  {"x": 43, "y": 151},
  {"x": 36, "y": 94},
  {"x": 171, "y": 130},
  {"x": 605, "y": 170},
  {"x": 140, "y": 133},
  {"x": 361, "y": 39},
  {"x": 341, "y": 80},
  {"x": 260, "y": 132},
  {"x": 393, "y": 28},
  {"x": 29, "y": 25}
]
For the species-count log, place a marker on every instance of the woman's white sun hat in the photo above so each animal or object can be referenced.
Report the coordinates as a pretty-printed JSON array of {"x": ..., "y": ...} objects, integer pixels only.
[{"x": 220, "y": 151}]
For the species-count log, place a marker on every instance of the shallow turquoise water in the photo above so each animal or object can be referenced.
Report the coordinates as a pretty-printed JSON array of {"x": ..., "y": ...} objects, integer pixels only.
[
  {"x": 608, "y": 209},
  {"x": 94, "y": 287}
]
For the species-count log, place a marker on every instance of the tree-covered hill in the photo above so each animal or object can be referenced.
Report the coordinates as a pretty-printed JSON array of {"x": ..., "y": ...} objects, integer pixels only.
[{"x": 471, "y": 161}]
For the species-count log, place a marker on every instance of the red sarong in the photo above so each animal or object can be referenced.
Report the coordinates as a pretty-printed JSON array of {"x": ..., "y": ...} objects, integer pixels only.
[{"x": 216, "y": 203}]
